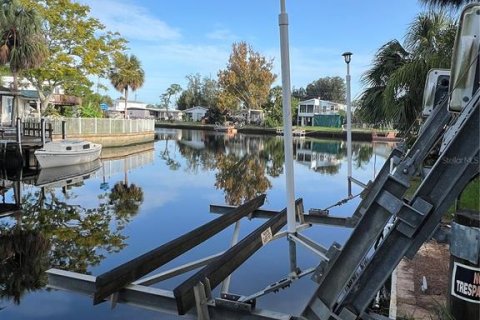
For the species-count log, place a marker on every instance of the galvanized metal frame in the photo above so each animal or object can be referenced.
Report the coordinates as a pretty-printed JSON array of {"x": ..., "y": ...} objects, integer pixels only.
[
  {"x": 441, "y": 187},
  {"x": 415, "y": 222},
  {"x": 151, "y": 298},
  {"x": 138, "y": 293},
  {"x": 374, "y": 212}
]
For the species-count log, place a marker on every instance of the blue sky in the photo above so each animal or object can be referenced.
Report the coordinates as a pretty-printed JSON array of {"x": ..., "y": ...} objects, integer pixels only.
[{"x": 176, "y": 38}]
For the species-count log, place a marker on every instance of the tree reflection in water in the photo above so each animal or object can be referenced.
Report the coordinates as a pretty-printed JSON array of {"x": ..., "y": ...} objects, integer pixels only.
[
  {"x": 170, "y": 162},
  {"x": 54, "y": 233},
  {"x": 241, "y": 179},
  {"x": 126, "y": 200},
  {"x": 241, "y": 162},
  {"x": 23, "y": 261},
  {"x": 362, "y": 154},
  {"x": 79, "y": 236}
]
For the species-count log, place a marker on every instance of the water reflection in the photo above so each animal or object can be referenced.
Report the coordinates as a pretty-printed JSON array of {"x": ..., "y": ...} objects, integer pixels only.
[
  {"x": 74, "y": 219},
  {"x": 46, "y": 227},
  {"x": 244, "y": 163},
  {"x": 241, "y": 162},
  {"x": 23, "y": 261}
]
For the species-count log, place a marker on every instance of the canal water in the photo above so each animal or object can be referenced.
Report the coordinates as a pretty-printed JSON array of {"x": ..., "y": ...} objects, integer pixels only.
[{"x": 91, "y": 218}]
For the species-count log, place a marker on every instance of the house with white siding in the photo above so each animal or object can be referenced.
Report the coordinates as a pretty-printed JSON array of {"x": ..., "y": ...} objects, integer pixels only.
[
  {"x": 196, "y": 113},
  {"x": 309, "y": 109},
  {"x": 141, "y": 110},
  {"x": 28, "y": 100}
]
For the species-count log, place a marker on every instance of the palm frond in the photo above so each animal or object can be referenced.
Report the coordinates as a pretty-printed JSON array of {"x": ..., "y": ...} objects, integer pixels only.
[
  {"x": 447, "y": 3},
  {"x": 424, "y": 34},
  {"x": 387, "y": 59},
  {"x": 127, "y": 73},
  {"x": 22, "y": 42}
]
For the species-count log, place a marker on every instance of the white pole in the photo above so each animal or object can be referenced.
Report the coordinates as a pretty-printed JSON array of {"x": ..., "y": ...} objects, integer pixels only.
[
  {"x": 287, "y": 118},
  {"x": 349, "y": 129}
]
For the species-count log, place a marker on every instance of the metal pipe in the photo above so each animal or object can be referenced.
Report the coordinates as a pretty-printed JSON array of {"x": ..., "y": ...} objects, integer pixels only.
[
  {"x": 287, "y": 118},
  {"x": 177, "y": 271},
  {"x": 236, "y": 232},
  {"x": 308, "y": 245},
  {"x": 18, "y": 130},
  {"x": 293, "y": 256},
  {"x": 349, "y": 125}
]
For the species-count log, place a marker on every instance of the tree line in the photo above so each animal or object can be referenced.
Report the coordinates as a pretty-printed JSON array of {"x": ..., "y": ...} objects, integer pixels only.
[{"x": 55, "y": 43}]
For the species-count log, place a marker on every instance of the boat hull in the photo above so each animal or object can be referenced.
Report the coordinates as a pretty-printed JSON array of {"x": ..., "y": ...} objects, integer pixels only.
[
  {"x": 65, "y": 175},
  {"x": 50, "y": 159}
]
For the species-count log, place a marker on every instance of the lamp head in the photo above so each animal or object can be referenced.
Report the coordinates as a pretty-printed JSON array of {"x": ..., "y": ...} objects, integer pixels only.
[{"x": 347, "y": 56}]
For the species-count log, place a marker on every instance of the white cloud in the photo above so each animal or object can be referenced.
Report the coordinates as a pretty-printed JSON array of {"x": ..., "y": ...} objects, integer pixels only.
[
  {"x": 132, "y": 21},
  {"x": 165, "y": 64},
  {"x": 222, "y": 34}
]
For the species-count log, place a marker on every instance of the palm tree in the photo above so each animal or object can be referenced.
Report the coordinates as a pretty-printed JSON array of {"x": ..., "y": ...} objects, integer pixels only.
[
  {"x": 127, "y": 73},
  {"x": 396, "y": 80},
  {"x": 126, "y": 199},
  {"x": 171, "y": 91},
  {"x": 390, "y": 57},
  {"x": 22, "y": 44}
]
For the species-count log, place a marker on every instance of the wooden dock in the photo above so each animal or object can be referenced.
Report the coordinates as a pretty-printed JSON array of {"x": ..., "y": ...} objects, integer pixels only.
[{"x": 18, "y": 144}]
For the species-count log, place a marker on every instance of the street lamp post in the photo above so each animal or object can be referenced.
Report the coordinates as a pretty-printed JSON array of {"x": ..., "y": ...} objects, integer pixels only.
[{"x": 348, "y": 57}]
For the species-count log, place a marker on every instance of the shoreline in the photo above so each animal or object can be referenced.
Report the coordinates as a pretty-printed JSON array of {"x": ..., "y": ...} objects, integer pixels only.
[{"x": 340, "y": 134}]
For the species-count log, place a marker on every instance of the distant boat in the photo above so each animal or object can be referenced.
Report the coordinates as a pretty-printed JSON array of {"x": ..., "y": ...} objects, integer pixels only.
[
  {"x": 67, "y": 152},
  {"x": 385, "y": 136},
  {"x": 226, "y": 127}
]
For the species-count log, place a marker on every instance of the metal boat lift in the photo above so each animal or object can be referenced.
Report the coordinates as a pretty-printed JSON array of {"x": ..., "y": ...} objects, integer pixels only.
[{"x": 348, "y": 277}]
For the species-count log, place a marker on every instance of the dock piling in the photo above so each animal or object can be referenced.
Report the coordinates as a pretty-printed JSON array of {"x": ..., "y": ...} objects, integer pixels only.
[
  {"x": 42, "y": 133},
  {"x": 64, "y": 129}
]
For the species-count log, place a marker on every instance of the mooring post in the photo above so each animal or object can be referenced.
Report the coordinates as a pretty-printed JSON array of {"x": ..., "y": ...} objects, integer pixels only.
[
  {"x": 64, "y": 129},
  {"x": 19, "y": 134},
  {"x": 42, "y": 131}
]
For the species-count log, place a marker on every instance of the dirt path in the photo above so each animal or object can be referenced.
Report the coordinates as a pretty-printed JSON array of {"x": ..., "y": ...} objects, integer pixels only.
[{"x": 431, "y": 261}]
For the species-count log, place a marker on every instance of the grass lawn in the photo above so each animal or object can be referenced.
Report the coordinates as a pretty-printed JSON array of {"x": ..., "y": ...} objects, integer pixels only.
[
  {"x": 470, "y": 198},
  {"x": 330, "y": 129}
]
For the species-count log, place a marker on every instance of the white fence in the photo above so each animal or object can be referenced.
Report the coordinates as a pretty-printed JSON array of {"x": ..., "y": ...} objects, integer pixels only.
[{"x": 100, "y": 126}]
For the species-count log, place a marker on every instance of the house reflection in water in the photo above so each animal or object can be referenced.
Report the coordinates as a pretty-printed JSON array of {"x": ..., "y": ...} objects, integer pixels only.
[{"x": 320, "y": 156}]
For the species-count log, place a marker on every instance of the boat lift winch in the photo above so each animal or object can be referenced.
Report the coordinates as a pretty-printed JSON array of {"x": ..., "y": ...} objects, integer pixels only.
[{"x": 348, "y": 276}]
